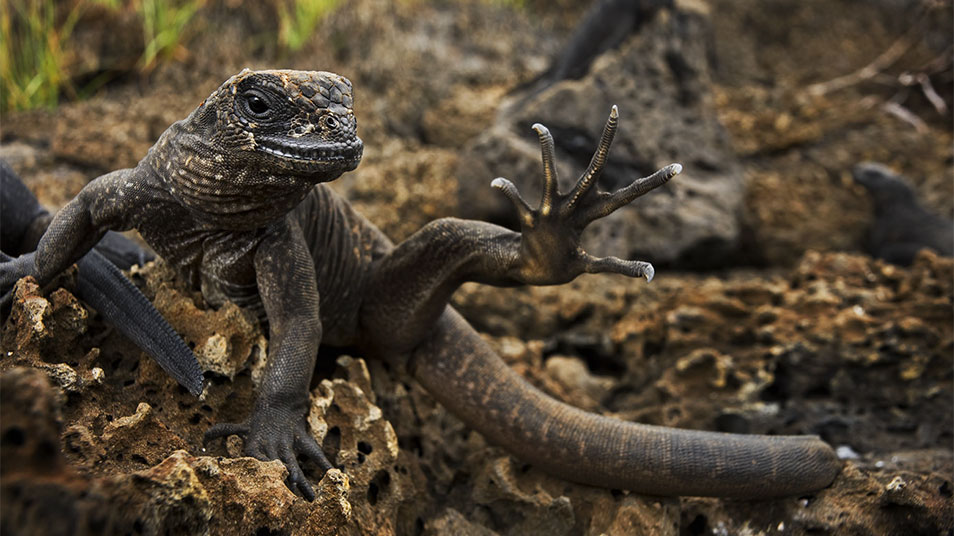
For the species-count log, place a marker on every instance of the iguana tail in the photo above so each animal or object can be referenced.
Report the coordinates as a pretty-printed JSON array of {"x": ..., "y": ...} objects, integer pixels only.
[{"x": 461, "y": 371}]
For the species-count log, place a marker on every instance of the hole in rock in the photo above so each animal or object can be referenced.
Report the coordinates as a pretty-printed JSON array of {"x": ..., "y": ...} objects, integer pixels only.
[
  {"x": 698, "y": 526},
  {"x": 379, "y": 484},
  {"x": 46, "y": 450},
  {"x": 14, "y": 437},
  {"x": 332, "y": 442}
]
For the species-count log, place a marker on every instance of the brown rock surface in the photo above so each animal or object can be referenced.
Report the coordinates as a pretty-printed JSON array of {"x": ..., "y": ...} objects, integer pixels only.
[{"x": 842, "y": 346}]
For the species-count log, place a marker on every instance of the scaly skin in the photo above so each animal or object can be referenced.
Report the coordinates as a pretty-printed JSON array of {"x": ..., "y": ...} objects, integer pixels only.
[{"x": 231, "y": 196}]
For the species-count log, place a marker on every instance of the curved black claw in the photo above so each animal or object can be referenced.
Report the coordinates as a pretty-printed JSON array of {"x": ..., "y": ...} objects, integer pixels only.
[
  {"x": 275, "y": 435},
  {"x": 550, "y": 250}
]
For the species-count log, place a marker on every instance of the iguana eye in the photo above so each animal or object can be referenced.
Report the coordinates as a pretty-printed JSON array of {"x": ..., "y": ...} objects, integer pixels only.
[
  {"x": 257, "y": 105},
  {"x": 330, "y": 122}
]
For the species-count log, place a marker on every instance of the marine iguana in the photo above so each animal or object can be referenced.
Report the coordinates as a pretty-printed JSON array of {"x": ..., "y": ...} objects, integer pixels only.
[
  {"x": 901, "y": 226},
  {"x": 233, "y": 196}
]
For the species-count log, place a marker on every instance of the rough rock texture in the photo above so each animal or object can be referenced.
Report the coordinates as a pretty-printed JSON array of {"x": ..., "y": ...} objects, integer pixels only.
[
  {"x": 660, "y": 80},
  {"x": 96, "y": 439},
  {"x": 849, "y": 348},
  {"x": 224, "y": 340},
  {"x": 178, "y": 494}
]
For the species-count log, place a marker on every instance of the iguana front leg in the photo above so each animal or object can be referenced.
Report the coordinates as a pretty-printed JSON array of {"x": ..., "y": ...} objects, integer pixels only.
[
  {"x": 276, "y": 429},
  {"x": 550, "y": 251},
  {"x": 411, "y": 286},
  {"x": 71, "y": 234}
]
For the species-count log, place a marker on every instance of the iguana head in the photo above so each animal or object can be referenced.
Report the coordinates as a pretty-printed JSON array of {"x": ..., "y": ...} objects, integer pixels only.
[
  {"x": 258, "y": 144},
  {"x": 882, "y": 183},
  {"x": 296, "y": 122}
]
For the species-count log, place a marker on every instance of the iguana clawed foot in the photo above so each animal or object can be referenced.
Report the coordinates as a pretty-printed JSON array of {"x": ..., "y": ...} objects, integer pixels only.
[
  {"x": 274, "y": 434},
  {"x": 550, "y": 250}
]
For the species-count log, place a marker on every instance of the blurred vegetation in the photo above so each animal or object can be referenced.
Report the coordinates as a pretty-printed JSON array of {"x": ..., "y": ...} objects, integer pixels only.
[
  {"x": 164, "y": 23},
  {"x": 32, "y": 42},
  {"x": 297, "y": 19},
  {"x": 37, "y": 47},
  {"x": 36, "y": 37},
  {"x": 515, "y": 4},
  {"x": 41, "y": 48}
]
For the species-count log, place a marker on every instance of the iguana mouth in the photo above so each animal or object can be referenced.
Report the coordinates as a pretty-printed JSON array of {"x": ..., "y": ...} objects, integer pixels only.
[{"x": 348, "y": 152}]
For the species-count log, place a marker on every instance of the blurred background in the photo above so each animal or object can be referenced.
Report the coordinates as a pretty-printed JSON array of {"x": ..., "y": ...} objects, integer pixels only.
[{"x": 768, "y": 105}]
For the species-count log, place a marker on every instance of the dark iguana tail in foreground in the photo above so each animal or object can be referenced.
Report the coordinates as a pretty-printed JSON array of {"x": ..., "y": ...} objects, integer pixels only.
[
  {"x": 461, "y": 371},
  {"x": 106, "y": 289}
]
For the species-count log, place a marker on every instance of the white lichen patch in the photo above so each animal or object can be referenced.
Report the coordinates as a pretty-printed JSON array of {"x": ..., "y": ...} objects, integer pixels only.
[
  {"x": 37, "y": 309},
  {"x": 62, "y": 375}
]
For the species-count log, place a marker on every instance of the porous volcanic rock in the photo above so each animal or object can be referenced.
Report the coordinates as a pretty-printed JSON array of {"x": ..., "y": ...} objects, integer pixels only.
[{"x": 843, "y": 346}]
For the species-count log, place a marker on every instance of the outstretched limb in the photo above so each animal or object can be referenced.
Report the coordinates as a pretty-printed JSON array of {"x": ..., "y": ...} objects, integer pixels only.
[
  {"x": 407, "y": 301},
  {"x": 550, "y": 251},
  {"x": 72, "y": 233},
  {"x": 410, "y": 287}
]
